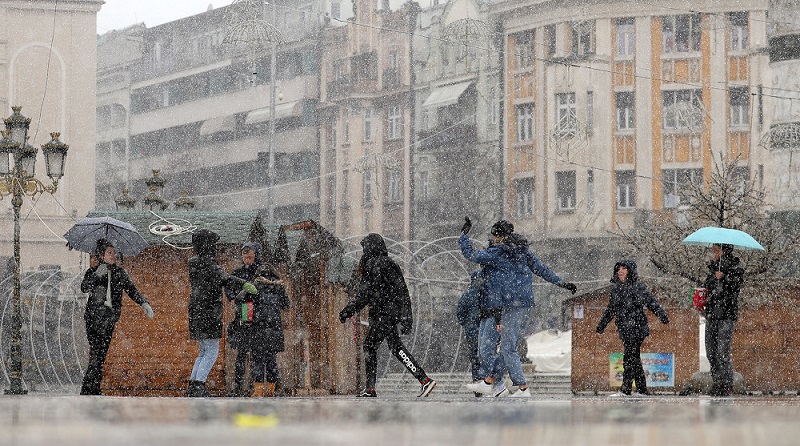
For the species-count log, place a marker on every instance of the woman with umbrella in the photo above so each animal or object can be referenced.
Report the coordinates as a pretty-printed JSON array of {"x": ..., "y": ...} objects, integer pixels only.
[{"x": 105, "y": 283}]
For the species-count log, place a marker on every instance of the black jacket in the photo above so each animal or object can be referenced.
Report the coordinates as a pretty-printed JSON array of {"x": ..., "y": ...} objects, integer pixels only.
[
  {"x": 723, "y": 294},
  {"x": 627, "y": 303},
  {"x": 96, "y": 288},
  {"x": 381, "y": 287},
  {"x": 207, "y": 278},
  {"x": 266, "y": 329}
]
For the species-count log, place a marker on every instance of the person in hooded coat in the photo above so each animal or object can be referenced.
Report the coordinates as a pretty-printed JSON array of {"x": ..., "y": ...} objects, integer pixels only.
[
  {"x": 626, "y": 306},
  {"x": 104, "y": 283},
  {"x": 259, "y": 332},
  {"x": 383, "y": 289},
  {"x": 723, "y": 282},
  {"x": 207, "y": 278},
  {"x": 468, "y": 313}
]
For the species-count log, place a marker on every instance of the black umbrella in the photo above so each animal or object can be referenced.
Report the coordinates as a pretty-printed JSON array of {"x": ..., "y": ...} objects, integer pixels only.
[{"x": 125, "y": 238}]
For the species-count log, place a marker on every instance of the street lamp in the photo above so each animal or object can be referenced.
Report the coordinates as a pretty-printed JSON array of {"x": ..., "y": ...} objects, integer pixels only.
[
  {"x": 155, "y": 185},
  {"x": 17, "y": 178}
]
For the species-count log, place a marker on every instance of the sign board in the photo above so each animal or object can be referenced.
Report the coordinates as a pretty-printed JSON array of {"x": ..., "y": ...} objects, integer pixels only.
[{"x": 659, "y": 369}]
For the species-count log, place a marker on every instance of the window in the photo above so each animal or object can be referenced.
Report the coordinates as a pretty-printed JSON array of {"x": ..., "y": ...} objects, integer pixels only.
[
  {"x": 626, "y": 189},
  {"x": 567, "y": 122},
  {"x": 589, "y": 112},
  {"x": 494, "y": 104},
  {"x": 625, "y": 109},
  {"x": 675, "y": 185},
  {"x": 680, "y": 33},
  {"x": 394, "y": 186},
  {"x": 346, "y": 126},
  {"x": 366, "y": 198},
  {"x": 738, "y": 31},
  {"x": 367, "y": 124},
  {"x": 332, "y": 135},
  {"x": 524, "y": 122},
  {"x": 424, "y": 185},
  {"x": 395, "y": 130},
  {"x": 682, "y": 109},
  {"x": 565, "y": 190},
  {"x": 332, "y": 193},
  {"x": 336, "y": 10},
  {"x": 590, "y": 189},
  {"x": 741, "y": 178},
  {"x": 523, "y": 190},
  {"x": 550, "y": 35},
  {"x": 524, "y": 50},
  {"x": 582, "y": 38},
  {"x": 626, "y": 38},
  {"x": 739, "y": 106}
]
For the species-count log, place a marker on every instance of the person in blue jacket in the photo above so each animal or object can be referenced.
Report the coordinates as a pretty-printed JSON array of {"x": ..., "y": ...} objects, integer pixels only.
[
  {"x": 468, "y": 313},
  {"x": 508, "y": 266}
]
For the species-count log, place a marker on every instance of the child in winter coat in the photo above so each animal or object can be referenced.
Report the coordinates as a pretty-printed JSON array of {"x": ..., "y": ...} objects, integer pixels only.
[{"x": 626, "y": 306}]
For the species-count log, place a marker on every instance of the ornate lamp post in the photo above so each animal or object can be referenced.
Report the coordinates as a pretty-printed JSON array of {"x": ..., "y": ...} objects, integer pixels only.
[
  {"x": 155, "y": 184},
  {"x": 17, "y": 178},
  {"x": 125, "y": 202}
]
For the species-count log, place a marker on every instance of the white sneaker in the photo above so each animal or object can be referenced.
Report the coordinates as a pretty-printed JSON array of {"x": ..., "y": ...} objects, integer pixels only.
[
  {"x": 499, "y": 389},
  {"x": 480, "y": 387},
  {"x": 521, "y": 394},
  {"x": 619, "y": 395}
]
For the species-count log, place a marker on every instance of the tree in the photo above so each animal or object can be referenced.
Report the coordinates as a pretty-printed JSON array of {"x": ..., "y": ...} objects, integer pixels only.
[{"x": 731, "y": 200}]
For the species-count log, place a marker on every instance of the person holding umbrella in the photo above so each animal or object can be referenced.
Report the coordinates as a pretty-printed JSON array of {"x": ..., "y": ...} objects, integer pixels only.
[
  {"x": 104, "y": 282},
  {"x": 723, "y": 282}
]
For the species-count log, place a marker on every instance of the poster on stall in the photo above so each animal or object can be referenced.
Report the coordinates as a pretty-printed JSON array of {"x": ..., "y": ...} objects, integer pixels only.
[{"x": 659, "y": 369}]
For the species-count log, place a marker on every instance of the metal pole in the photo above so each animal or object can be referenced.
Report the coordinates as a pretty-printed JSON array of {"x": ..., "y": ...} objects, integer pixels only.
[
  {"x": 15, "y": 375},
  {"x": 271, "y": 147}
]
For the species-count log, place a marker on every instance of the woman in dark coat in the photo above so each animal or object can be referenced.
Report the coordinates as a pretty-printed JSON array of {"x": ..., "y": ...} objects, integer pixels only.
[
  {"x": 383, "y": 288},
  {"x": 105, "y": 283},
  {"x": 258, "y": 327},
  {"x": 207, "y": 278},
  {"x": 628, "y": 299}
]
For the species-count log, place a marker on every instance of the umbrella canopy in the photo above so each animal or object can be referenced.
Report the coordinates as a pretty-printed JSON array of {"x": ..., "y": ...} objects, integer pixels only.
[
  {"x": 125, "y": 238},
  {"x": 712, "y": 235}
]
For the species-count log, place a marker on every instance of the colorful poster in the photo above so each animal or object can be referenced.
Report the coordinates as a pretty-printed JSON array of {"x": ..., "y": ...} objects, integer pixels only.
[{"x": 659, "y": 369}]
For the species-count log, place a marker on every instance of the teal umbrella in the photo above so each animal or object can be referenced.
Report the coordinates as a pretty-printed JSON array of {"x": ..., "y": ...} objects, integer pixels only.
[{"x": 711, "y": 235}]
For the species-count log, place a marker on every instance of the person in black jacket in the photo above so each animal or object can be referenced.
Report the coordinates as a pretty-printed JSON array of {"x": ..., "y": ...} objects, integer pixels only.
[
  {"x": 105, "y": 283},
  {"x": 258, "y": 327},
  {"x": 626, "y": 306},
  {"x": 468, "y": 313},
  {"x": 207, "y": 278},
  {"x": 383, "y": 288},
  {"x": 723, "y": 282}
]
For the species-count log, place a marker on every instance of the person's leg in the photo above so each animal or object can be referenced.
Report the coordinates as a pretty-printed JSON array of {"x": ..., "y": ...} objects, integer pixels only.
[
  {"x": 209, "y": 350},
  {"x": 629, "y": 358},
  {"x": 639, "y": 376},
  {"x": 404, "y": 356},
  {"x": 375, "y": 335},
  {"x": 712, "y": 335},
  {"x": 488, "y": 337},
  {"x": 725, "y": 338},
  {"x": 241, "y": 388},
  {"x": 471, "y": 346},
  {"x": 99, "y": 332},
  {"x": 513, "y": 320}
]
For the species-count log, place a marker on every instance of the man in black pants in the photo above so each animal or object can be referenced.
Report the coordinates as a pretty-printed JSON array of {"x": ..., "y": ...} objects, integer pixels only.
[{"x": 383, "y": 288}]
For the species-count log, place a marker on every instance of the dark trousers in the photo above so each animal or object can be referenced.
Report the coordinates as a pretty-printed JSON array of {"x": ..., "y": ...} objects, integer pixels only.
[
  {"x": 719, "y": 335},
  {"x": 471, "y": 346},
  {"x": 632, "y": 366},
  {"x": 99, "y": 330},
  {"x": 377, "y": 333},
  {"x": 265, "y": 362}
]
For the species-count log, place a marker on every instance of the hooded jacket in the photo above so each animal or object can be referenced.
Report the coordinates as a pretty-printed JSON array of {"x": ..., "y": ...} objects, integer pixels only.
[
  {"x": 508, "y": 272},
  {"x": 96, "y": 287},
  {"x": 723, "y": 294},
  {"x": 468, "y": 309},
  {"x": 381, "y": 287},
  {"x": 627, "y": 303}
]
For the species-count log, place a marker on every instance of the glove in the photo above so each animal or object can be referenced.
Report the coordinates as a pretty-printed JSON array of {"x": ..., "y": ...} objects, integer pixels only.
[
  {"x": 467, "y": 226},
  {"x": 249, "y": 288},
  {"x": 568, "y": 286},
  {"x": 599, "y": 330},
  {"x": 343, "y": 317},
  {"x": 665, "y": 320},
  {"x": 101, "y": 270},
  {"x": 148, "y": 310}
]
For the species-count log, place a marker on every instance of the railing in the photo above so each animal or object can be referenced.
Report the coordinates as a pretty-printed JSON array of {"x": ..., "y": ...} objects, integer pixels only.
[{"x": 459, "y": 134}]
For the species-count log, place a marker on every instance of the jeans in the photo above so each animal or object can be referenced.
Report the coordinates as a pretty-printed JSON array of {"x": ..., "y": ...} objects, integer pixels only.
[
  {"x": 491, "y": 364},
  {"x": 209, "y": 350},
  {"x": 513, "y": 321},
  {"x": 719, "y": 335},
  {"x": 99, "y": 330}
]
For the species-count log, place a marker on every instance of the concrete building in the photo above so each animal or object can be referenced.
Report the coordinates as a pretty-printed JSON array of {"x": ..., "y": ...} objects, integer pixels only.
[{"x": 47, "y": 60}]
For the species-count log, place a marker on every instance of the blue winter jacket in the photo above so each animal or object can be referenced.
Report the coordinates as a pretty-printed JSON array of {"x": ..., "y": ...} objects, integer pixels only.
[{"x": 508, "y": 273}]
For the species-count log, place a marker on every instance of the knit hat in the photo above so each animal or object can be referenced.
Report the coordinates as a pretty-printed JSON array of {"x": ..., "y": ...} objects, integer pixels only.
[{"x": 502, "y": 228}]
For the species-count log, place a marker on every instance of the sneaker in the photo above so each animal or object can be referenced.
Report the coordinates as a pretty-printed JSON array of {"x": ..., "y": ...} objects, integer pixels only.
[
  {"x": 521, "y": 393},
  {"x": 619, "y": 395},
  {"x": 480, "y": 387},
  {"x": 499, "y": 389},
  {"x": 427, "y": 388},
  {"x": 367, "y": 393}
]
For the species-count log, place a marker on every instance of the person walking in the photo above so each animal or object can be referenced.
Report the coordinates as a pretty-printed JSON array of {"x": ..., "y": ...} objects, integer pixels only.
[
  {"x": 258, "y": 323},
  {"x": 468, "y": 313},
  {"x": 509, "y": 266},
  {"x": 723, "y": 282},
  {"x": 206, "y": 278},
  {"x": 104, "y": 282},
  {"x": 383, "y": 289},
  {"x": 626, "y": 306}
]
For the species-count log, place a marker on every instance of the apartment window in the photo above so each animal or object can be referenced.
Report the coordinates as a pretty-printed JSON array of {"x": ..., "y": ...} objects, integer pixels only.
[
  {"x": 393, "y": 191},
  {"x": 346, "y": 126},
  {"x": 739, "y": 39},
  {"x": 395, "y": 130},
  {"x": 739, "y": 106},
  {"x": 366, "y": 198},
  {"x": 523, "y": 190},
  {"x": 625, "y": 110},
  {"x": 680, "y": 33},
  {"x": 550, "y": 35},
  {"x": 741, "y": 178},
  {"x": 494, "y": 104},
  {"x": 332, "y": 193},
  {"x": 582, "y": 38},
  {"x": 524, "y": 50},
  {"x": 626, "y": 38},
  {"x": 566, "y": 190},
  {"x": 332, "y": 135},
  {"x": 567, "y": 121},
  {"x": 524, "y": 122},
  {"x": 424, "y": 185},
  {"x": 626, "y": 189},
  {"x": 336, "y": 10},
  {"x": 685, "y": 115},
  {"x": 676, "y": 185},
  {"x": 367, "y": 124},
  {"x": 590, "y": 189},
  {"x": 590, "y": 112}
]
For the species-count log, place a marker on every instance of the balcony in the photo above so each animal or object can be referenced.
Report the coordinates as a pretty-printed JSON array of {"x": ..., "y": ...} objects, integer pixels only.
[
  {"x": 448, "y": 136},
  {"x": 391, "y": 79}
]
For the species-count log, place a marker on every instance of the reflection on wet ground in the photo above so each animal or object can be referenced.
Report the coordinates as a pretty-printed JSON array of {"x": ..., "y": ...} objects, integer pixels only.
[{"x": 439, "y": 420}]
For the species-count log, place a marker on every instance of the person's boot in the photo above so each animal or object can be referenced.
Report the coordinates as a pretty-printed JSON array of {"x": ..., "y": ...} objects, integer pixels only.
[
  {"x": 269, "y": 389},
  {"x": 192, "y": 389},
  {"x": 258, "y": 390}
]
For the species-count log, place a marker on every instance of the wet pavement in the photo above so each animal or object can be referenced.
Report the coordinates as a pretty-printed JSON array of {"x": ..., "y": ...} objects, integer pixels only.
[{"x": 438, "y": 420}]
